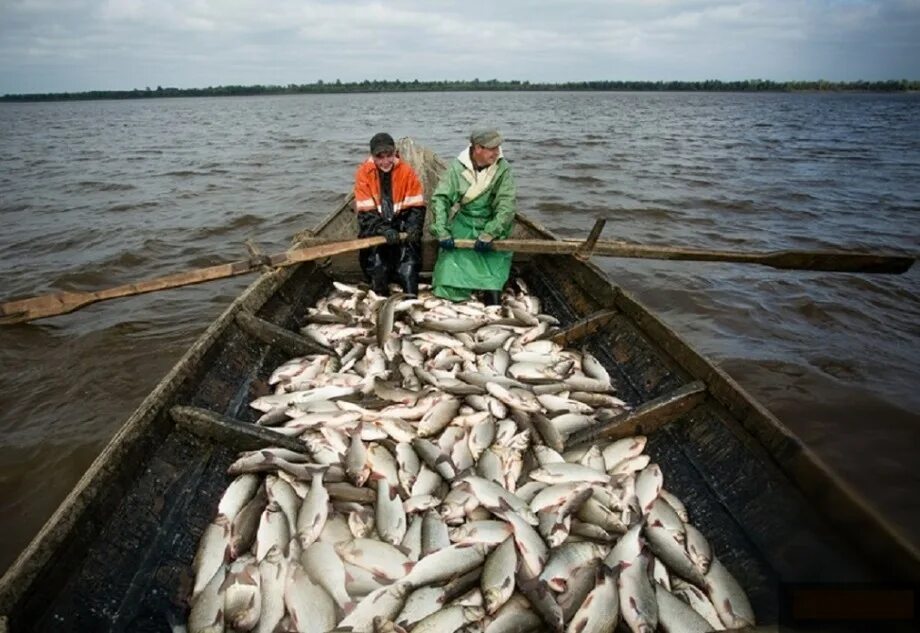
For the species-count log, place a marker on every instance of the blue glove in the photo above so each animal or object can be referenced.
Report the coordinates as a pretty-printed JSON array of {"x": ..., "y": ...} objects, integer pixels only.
[
  {"x": 392, "y": 236},
  {"x": 447, "y": 243},
  {"x": 482, "y": 246}
]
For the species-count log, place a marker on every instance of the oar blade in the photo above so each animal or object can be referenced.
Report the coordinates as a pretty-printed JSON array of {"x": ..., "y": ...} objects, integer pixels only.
[
  {"x": 839, "y": 262},
  {"x": 24, "y": 310}
]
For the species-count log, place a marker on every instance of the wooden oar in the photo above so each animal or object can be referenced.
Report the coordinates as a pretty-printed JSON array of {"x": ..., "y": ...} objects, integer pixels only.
[
  {"x": 839, "y": 261},
  {"x": 52, "y": 304}
]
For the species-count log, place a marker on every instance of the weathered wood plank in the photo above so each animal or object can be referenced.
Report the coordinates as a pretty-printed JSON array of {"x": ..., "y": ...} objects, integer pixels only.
[
  {"x": 645, "y": 419},
  {"x": 568, "y": 336},
  {"x": 269, "y": 333},
  {"x": 227, "y": 431}
]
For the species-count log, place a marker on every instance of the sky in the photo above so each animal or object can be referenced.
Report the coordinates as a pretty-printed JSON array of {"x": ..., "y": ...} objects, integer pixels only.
[{"x": 79, "y": 45}]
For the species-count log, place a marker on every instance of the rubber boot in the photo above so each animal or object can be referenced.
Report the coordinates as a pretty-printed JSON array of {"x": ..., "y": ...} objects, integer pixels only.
[
  {"x": 491, "y": 297},
  {"x": 410, "y": 263},
  {"x": 408, "y": 278},
  {"x": 379, "y": 277}
]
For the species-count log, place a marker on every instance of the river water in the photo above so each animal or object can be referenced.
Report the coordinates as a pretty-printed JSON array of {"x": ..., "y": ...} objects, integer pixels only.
[{"x": 95, "y": 194}]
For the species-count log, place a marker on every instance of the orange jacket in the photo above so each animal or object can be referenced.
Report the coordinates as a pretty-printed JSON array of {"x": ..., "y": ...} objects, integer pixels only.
[{"x": 407, "y": 190}]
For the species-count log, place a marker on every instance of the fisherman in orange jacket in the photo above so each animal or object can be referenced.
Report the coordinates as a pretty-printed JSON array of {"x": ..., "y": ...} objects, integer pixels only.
[{"x": 389, "y": 200}]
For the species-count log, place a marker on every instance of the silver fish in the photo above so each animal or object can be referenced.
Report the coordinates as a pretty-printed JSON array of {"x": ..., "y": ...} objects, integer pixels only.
[
  {"x": 485, "y": 532},
  {"x": 698, "y": 601},
  {"x": 639, "y": 606},
  {"x": 593, "y": 368},
  {"x": 386, "y": 315},
  {"x": 548, "y": 432},
  {"x": 728, "y": 597},
  {"x": 630, "y": 465},
  {"x": 649, "y": 482},
  {"x": 212, "y": 552},
  {"x": 676, "y": 504},
  {"x": 281, "y": 492},
  {"x": 565, "y": 472},
  {"x": 237, "y": 495},
  {"x": 313, "y": 513},
  {"x": 661, "y": 514},
  {"x": 391, "y": 516},
  {"x": 676, "y": 615},
  {"x": 497, "y": 580},
  {"x": 420, "y": 604},
  {"x": 600, "y": 401},
  {"x": 273, "y": 531},
  {"x": 494, "y": 496},
  {"x": 242, "y": 595},
  {"x": 245, "y": 524},
  {"x": 553, "y": 496},
  {"x": 699, "y": 549},
  {"x": 438, "y": 417},
  {"x": 310, "y": 608},
  {"x": 515, "y": 616},
  {"x": 273, "y": 571},
  {"x": 359, "y": 581},
  {"x": 428, "y": 482},
  {"x": 564, "y": 560},
  {"x": 412, "y": 541},
  {"x": 622, "y": 450},
  {"x": 435, "y": 534},
  {"x": 569, "y": 423},
  {"x": 434, "y": 458},
  {"x": 541, "y": 599},
  {"x": 449, "y": 619},
  {"x": 600, "y": 610},
  {"x": 626, "y": 549},
  {"x": 327, "y": 570},
  {"x": 393, "y": 393},
  {"x": 446, "y": 563},
  {"x": 385, "y": 560},
  {"x": 577, "y": 588},
  {"x": 207, "y": 614},
  {"x": 385, "y": 603},
  {"x": 533, "y": 550},
  {"x": 267, "y": 403},
  {"x": 382, "y": 464},
  {"x": 361, "y": 522}
]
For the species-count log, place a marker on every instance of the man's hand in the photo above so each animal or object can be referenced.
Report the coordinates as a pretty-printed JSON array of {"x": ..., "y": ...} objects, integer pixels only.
[
  {"x": 447, "y": 243},
  {"x": 483, "y": 244},
  {"x": 391, "y": 234},
  {"x": 414, "y": 234}
]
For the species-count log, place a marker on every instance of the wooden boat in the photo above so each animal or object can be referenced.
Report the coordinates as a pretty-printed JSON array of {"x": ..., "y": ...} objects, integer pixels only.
[{"x": 116, "y": 554}]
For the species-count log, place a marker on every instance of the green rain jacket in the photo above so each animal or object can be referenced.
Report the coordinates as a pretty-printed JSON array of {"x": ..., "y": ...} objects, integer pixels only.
[{"x": 490, "y": 210}]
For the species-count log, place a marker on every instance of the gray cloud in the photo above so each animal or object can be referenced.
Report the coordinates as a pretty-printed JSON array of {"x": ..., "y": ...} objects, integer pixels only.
[{"x": 55, "y": 45}]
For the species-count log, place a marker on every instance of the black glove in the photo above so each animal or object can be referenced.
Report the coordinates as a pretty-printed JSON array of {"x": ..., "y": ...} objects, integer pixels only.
[
  {"x": 414, "y": 234},
  {"x": 482, "y": 246},
  {"x": 391, "y": 234},
  {"x": 447, "y": 243}
]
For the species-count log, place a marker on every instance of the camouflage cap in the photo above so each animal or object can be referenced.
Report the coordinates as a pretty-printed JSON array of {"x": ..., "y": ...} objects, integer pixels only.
[{"x": 486, "y": 136}]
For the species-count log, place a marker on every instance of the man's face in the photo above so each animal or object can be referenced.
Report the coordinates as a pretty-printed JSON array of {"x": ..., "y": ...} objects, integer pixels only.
[
  {"x": 385, "y": 160},
  {"x": 483, "y": 156}
]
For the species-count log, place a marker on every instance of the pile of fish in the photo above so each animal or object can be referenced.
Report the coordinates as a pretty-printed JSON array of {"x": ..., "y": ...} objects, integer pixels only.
[{"x": 436, "y": 492}]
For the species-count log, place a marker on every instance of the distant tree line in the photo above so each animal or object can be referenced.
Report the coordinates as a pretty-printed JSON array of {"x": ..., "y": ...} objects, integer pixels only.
[{"x": 709, "y": 85}]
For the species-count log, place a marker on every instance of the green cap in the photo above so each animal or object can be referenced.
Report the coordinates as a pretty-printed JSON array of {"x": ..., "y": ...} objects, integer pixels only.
[{"x": 486, "y": 136}]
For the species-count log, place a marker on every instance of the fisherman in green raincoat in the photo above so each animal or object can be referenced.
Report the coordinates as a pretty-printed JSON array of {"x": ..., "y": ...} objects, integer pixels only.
[{"x": 479, "y": 181}]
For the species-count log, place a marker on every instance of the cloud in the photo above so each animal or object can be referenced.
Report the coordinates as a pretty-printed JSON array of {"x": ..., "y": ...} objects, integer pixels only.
[{"x": 53, "y": 45}]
